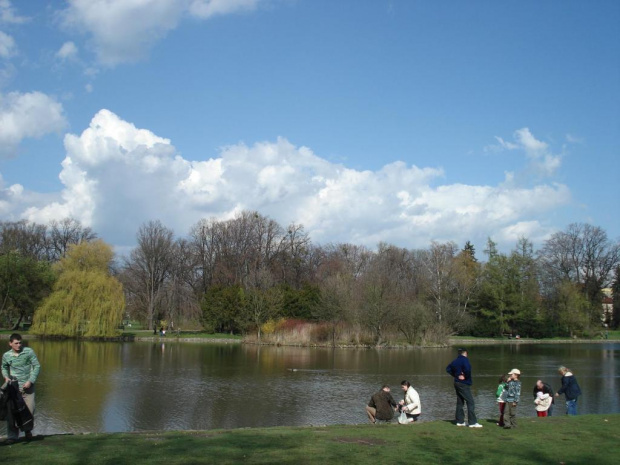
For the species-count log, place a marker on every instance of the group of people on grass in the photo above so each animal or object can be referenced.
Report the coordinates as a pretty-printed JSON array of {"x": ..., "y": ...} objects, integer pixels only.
[{"x": 382, "y": 405}]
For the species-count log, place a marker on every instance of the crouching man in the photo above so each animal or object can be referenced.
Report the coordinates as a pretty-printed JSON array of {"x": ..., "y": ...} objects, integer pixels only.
[{"x": 381, "y": 406}]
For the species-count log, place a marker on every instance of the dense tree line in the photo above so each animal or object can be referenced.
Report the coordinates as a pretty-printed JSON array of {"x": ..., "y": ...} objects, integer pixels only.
[
  {"x": 244, "y": 274},
  {"x": 27, "y": 253},
  {"x": 239, "y": 274}
]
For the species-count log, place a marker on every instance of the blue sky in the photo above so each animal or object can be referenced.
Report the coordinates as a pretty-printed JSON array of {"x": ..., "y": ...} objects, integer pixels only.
[{"x": 366, "y": 121}]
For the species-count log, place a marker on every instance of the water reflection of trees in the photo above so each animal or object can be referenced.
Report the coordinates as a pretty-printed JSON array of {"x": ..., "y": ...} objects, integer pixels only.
[
  {"x": 154, "y": 386},
  {"x": 76, "y": 379}
]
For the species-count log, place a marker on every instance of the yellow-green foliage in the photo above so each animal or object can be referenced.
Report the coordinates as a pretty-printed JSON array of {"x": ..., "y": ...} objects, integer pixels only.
[
  {"x": 87, "y": 256},
  {"x": 269, "y": 327},
  {"x": 86, "y": 300}
]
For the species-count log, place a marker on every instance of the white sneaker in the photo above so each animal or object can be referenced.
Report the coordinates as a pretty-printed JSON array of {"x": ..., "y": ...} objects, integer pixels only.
[
  {"x": 477, "y": 425},
  {"x": 461, "y": 424}
]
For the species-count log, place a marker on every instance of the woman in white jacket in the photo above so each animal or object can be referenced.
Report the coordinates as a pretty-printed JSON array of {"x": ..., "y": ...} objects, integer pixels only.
[{"x": 411, "y": 404}]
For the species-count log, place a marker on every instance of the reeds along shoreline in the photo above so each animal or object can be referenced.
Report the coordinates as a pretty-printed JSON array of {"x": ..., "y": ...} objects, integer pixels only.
[{"x": 300, "y": 333}]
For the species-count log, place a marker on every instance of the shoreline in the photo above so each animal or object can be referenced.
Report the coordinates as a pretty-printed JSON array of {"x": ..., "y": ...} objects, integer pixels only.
[{"x": 451, "y": 342}]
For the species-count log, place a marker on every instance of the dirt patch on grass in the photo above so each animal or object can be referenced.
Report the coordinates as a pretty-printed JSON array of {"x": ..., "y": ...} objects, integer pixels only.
[{"x": 361, "y": 441}]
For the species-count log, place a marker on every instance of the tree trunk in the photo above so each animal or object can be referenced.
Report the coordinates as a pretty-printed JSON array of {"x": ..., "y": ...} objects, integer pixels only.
[{"x": 16, "y": 326}]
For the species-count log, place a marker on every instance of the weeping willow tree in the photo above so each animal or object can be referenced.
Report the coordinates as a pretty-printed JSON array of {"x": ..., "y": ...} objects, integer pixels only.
[{"x": 86, "y": 300}]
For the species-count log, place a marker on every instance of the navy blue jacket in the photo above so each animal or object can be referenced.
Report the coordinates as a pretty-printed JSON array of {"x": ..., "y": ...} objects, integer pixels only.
[
  {"x": 460, "y": 366},
  {"x": 570, "y": 388}
]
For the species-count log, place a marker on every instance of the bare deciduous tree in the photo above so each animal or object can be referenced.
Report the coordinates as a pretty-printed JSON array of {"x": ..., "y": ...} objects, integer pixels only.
[
  {"x": 27, "y": 238},
  {"x": 148, "y": 267},
  {"x": 66, "y": 232},
  {"x": 582, "y": 254}
]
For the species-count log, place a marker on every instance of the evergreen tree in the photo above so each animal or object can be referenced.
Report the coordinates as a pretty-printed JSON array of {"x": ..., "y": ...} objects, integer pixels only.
[
  {"x": 494, "y": 297},
  {"x": 491, "y": 249},
  {"x": 470, "y": 250},
  {"x": 528, "y": 318},
  {"x": 221, "y": 309},
  {"x": 509, "y": 294}
]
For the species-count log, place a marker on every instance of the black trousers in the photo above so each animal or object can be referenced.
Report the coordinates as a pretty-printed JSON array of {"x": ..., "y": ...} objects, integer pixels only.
[{"x": 463, "y": 396}]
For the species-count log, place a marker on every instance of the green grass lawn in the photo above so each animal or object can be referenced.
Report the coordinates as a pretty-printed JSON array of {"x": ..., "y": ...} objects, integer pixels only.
[
  {"x": 614, "y": 334},
  {"x": 587, "y": 439}
]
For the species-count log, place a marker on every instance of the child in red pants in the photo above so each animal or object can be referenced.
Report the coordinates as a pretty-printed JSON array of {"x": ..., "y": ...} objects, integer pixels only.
[
  {"x": 543, "y": 402},
  {"x": 501, "y": 398}
]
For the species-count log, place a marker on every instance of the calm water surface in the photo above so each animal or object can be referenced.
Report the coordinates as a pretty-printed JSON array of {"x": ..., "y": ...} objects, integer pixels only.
[{"x": 109, "y": 387}]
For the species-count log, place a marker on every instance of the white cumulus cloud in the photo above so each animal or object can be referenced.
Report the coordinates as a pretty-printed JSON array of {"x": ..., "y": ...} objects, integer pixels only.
[
  {"x": 116, "y": 176},
  {"x": 23, "y": 115},
  {"x": 124, "y": 30},
  {"x": 7, "y": 45}
]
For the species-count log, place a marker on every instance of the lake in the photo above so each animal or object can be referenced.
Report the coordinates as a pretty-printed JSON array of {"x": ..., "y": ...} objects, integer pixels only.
[{"x": 138, "y": 386}]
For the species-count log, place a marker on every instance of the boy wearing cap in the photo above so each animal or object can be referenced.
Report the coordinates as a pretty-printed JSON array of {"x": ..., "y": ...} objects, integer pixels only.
[{"x": 513, "y": 388}]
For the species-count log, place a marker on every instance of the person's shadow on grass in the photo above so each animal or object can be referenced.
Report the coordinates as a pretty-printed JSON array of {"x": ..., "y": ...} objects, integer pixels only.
[{"x": 21, "y": 441}]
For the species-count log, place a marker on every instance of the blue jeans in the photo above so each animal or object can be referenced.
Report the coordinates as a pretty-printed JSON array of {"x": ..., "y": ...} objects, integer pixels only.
[{"x": 571, "y": 407}]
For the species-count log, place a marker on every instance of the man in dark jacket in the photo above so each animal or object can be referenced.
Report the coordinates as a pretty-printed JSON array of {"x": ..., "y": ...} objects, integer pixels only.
[
  {"x": 545, "y": 389},
  {"x": 381, "y": 406},
  {"x": 460, "y": 370}
]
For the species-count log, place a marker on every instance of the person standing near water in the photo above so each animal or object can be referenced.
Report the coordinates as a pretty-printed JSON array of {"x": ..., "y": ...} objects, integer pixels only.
[
  {"x": 460, "y": 370},
  {"x": 22, "y": 364},
  {"x": 571, "y": 390},
  {"x": 513, "y": 396}
]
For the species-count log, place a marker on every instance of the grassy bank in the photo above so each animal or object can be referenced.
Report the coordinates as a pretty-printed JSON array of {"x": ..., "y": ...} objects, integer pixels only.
[
  {"x": 469, "y": 340},
  {"x": 196, "y": 336},
  {"x": 591, "y": 439},
  {"x": 146, "y": 335},
  {"x": 183, "y": 336}
]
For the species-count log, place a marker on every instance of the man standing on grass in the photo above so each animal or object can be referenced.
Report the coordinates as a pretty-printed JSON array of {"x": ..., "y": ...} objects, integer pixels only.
[
  {"x": 460, "y": 370},
  {"x": 22, "y": 364}
]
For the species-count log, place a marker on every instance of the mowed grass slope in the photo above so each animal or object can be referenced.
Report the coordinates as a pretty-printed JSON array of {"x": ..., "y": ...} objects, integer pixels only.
[{"x": 587, "y": 439}]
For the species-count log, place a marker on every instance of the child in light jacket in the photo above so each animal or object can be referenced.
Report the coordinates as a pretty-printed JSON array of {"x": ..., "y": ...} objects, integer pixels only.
[
  {"x": 513, "y": 395},
  {"x": 543, "y": 402}
]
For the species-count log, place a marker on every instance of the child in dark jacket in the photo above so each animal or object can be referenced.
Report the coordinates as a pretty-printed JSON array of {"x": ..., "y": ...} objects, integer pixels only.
[{"x": 513, "y": 395}]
